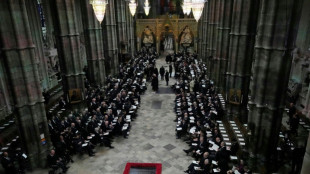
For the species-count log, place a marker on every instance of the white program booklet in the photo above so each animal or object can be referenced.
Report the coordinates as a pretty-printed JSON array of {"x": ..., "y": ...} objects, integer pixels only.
[{"x": 215, "y": 147}]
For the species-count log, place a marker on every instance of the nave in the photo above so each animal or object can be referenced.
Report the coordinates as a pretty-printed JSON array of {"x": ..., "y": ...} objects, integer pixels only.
[{"x": 151, "y": 139}]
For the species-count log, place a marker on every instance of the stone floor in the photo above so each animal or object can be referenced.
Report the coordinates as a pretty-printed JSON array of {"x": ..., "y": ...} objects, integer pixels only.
[{"x": 151, "y": 140}]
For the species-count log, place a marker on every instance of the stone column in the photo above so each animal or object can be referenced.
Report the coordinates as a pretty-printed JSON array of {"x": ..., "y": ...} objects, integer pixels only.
[
  {"x": 129, "y": 23},
  {"x": 128, "y": 27},
  {"x": 220, "y": 60},
  {"x": 132, "y": 32},
  {"x": 110, "y": 37},
  {"x": 200, "y": 37},
  {"x": 276, "y": 35},
  {"x": 157, "y": 45},
  {"x": 206, "y": 36},
  {"x": 68, "y": 44},
  {"x": 201, "y": 31},
  {"x": 242, "y": 39},
  {"x": 37, "y": 35},
  {"x": 19, "y": 54},
  {"x": 204, "y": 23},
  {"x": 6, "y": 102},
  {"x": 121, "y": 26},
  {"x": 94, "y": 45},
  {"x": 212, "y": 32},
  {"x": 305, "y": 166},
  {"x": 306, "y": 111}
]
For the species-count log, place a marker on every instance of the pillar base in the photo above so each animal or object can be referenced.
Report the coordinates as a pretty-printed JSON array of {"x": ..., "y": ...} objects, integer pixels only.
[{"x": 259, "y": 164}]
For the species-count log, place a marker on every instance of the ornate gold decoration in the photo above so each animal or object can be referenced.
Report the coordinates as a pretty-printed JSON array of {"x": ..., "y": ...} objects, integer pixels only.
[{"x": 158, "y": 26}]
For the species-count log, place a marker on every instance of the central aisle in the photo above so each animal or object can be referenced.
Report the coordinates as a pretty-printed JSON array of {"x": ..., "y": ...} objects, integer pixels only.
[{"x": 152, "y": 138}]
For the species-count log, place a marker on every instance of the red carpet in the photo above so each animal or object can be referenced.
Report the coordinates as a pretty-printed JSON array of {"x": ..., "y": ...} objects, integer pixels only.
[{"x": 143, "y": 165}]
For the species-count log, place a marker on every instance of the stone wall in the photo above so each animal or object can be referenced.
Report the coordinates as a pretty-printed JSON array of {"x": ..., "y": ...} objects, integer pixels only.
[{"x": 301, "y": 62}]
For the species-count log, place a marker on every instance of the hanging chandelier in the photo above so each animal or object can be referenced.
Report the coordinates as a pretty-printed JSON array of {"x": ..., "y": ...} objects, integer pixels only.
[
  {"x": 187, "y": 7},
  {"x": 99, "y": 7},
  {"x": 132, "y": 7},
  {"x": 197, "y": 7},
  {"x": 147, "y": 7}
]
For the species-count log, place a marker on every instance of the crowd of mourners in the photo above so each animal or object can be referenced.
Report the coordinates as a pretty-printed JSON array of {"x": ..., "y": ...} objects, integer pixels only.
[
  {"x": 109, "y": 113},
  {"x": 197, "y": 108}
]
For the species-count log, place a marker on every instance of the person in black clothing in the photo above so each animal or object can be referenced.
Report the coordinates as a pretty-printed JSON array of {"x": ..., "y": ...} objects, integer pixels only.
[
  {"x": 294, "y": 124},
  {"x": 206, "y": 167},
  {"x": 8, "y": 164},
  {"x": 155, "y": 83},
  {"x": 81, "y": 145},
  {"x": 156, "y": 71},
  {"x": 62, "y": 103},
  {"x": 46, "y": 96},
  {"x": 104, "y": 139},
  {"x": 53, "y": 161},
  {"x": 191, "y": 168},
  {"x": 291, "y": 112},
  {"x": 62, "y": 150},
  {"x": 168, "y": 58},
  {"x": 162, "y": 72},
  {"x": 170, "y": 70},
  {"x": 167, "y": 78},
  {"x": 297, "y": 158},
  {"x": 234, "y": 147},
  {"x": 181, "y": 129},
  {"x": 222, "y": 156}
]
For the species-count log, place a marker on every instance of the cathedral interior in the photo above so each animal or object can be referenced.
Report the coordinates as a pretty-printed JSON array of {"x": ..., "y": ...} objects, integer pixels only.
[{"x": 155, "y": 86}]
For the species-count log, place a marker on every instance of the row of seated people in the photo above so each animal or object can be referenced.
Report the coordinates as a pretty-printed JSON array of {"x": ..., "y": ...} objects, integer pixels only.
[
  {"x": 197, "y": 108},
  {"x": 109, "y": 113},
  {"x": 13, "y": 158}
]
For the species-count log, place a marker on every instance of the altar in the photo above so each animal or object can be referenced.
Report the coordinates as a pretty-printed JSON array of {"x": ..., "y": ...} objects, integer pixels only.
[{"x": 167, "y": 34}]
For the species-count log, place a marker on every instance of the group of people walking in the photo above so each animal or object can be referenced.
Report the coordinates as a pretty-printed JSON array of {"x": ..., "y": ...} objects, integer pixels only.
[{"x": 164, "y": 75}]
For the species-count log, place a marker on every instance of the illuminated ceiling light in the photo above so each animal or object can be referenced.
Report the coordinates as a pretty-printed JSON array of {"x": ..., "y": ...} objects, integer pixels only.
[
  {"x": 147, "y": 7},
  {"x": 187, "y": 7},
  {"x": 99, "y": 7},
  {"x": 133, "y": 7},
  {"x": 197, "y": 7}
]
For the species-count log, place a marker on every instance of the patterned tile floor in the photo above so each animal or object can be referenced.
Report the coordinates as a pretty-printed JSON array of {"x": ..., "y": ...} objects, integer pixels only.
[{"x": 151, "y": 140}]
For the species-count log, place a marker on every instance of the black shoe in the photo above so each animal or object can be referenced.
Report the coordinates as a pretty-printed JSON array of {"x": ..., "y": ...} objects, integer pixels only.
[
  {"x": 72, "y": 161},
  {"x": 186, "y": 171},
  {"x": 111, "y": 147},
  {"x": 92, "y": 154},
  {"x": 185, "y": 151}
]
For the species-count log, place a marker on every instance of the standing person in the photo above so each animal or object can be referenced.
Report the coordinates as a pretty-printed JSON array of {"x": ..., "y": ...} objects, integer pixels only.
[
  {"x": 167, "y": 77},
  {"x": 291, "y": 112},
  {"x": 162, "y": 72},
  {"x": 156, "y": 71},
  {"x": 294, "y": 124},
  {"x": 297, "y": 159},
  {"x": 170, "y": 70},
  {"x": 155, "y": 83},
  {"x": 168, "y": 58}
]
